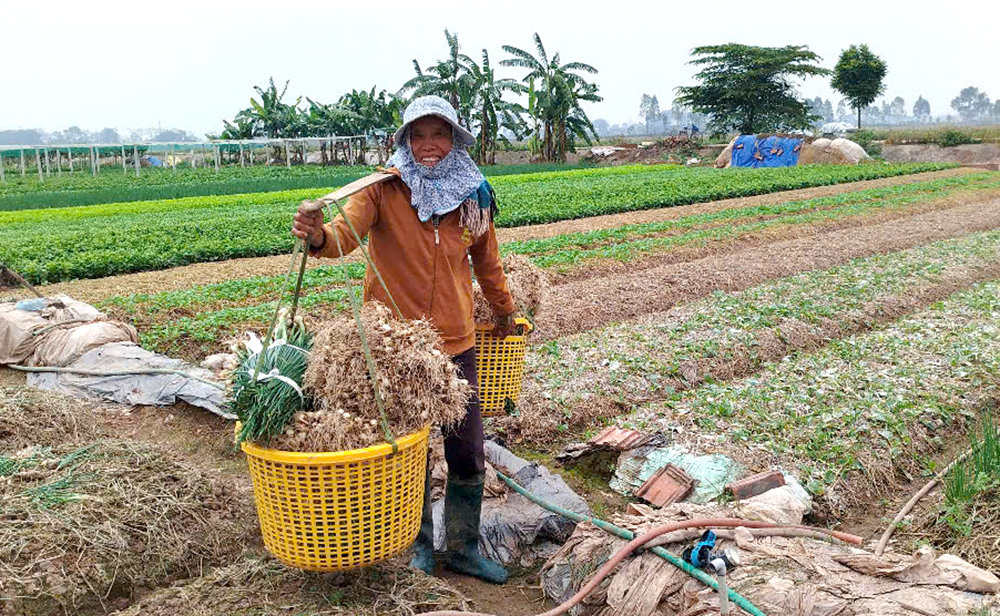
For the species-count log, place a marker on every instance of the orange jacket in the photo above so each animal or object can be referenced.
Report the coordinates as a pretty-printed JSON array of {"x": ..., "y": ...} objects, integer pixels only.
[{"x": 424, "y": 264}]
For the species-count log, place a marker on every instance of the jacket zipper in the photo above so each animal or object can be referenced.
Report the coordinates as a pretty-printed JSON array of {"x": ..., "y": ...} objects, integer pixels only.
[{"x": 437, "y": 242}]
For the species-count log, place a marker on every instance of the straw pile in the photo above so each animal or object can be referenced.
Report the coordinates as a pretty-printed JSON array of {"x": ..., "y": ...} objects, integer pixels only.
[
  {"x": 418, "y": 383},
  {"x": 527, "y": 284}
]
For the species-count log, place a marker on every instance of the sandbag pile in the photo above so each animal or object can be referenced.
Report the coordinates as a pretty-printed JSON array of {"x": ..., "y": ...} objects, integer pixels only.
[
  {"x": 418, "y": 383},
  {"x": 818, "y": 152},
  {"x": 55, "y": 331}
]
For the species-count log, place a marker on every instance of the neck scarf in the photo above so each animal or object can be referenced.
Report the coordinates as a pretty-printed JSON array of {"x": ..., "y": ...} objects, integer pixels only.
[{"x": 443, "y": 188}]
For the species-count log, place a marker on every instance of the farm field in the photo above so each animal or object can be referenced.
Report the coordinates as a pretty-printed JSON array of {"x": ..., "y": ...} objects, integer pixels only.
[
  {"x": 842, "y": 323},
  {"x": 50, "y": 245},
  {"x": 116, "y": 186}
]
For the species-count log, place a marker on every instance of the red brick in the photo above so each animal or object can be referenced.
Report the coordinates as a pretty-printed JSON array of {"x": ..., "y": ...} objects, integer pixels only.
[
  {"x": 756, "y": 484},
  {"x": 618, "y": 439},
  {"x": 668, "y": 485}
]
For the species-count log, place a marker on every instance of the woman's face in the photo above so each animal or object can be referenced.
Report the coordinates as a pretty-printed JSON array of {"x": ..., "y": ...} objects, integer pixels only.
[{"x": 430, "y": 140}]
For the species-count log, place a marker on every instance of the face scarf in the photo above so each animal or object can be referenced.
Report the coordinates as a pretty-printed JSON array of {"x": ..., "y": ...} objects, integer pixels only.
[{"x": 443, "y": 188}]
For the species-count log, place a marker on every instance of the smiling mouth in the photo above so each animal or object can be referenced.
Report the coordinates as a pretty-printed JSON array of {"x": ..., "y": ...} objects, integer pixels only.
[{"x": 430, "y": 161}]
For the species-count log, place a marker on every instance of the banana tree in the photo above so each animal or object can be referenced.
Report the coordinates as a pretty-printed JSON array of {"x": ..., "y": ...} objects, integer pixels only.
[
  {"x": 561, "y": 89},
  {"x": 490, "y": 112},
  {"x": 448, "y": 79}
]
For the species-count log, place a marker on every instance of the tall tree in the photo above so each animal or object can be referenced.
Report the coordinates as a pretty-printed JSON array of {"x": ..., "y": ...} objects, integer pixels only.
[
  {"x": 649, "y": 109},
  {"x": 816, "y": 108},
  {"x": 842, "y": 109},
  {"x": 828, "y": 111},
  {"x": 971, "y": 104},
  {"x": 750, "y": 89},
  {"x": 559, "y": 90},
  {"x": 859, "y": 76},
  {"x": 680, "y": 112},
  {"x": 921, "y": 108},
  {"x": 996, "y": 111},
  {"x": 898, "y": 107}
]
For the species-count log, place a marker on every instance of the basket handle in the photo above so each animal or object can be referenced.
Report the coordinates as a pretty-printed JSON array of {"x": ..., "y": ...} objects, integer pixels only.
[
  {"x": 299, "y": 246},
  {"x": 524, "y": 323},
  {"x": 356, "y": 309}
]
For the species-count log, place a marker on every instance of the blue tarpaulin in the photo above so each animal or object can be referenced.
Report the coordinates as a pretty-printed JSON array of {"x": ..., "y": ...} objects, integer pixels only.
[{"x": 749, "y": 151}]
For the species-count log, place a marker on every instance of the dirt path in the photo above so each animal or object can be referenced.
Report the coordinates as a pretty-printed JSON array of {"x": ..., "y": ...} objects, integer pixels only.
[
  {"x": 210, "y": 273},
  {"x": 583, "y": 305}
]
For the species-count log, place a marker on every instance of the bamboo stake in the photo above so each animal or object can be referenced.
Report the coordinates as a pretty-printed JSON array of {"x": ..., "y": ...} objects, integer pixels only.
[
  {"x": 45, "y": 156},
  {"x": 288, "y": 159},
  {"x": 38, "y": 162},
  {"x": 2, "y": 177},
  {"x": 218, "y": 155},
  {"x": 124, "y": 167},
  {"x": 173, "y": 158},
  {"x": 135, "y": 158},
  {"x": 22, "y": 163},
  {"x": 884, "y": 541},
  {"x": 69, "y": 153},
  {"x": 242, "y": 164},
  {"x": 58, "y": 162},
  {"x": 19, "y": 278}
]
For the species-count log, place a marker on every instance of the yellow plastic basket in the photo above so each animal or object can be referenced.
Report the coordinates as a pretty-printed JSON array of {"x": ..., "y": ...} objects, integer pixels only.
[
  {"x": 500, "y": 364},
  {"x": 342, "y": 510}
]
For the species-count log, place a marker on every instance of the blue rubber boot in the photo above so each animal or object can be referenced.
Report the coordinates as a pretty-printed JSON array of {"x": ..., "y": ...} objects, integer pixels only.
[
  {"x": 423, "y": 547},
  {"x": 463, "y": 503}
]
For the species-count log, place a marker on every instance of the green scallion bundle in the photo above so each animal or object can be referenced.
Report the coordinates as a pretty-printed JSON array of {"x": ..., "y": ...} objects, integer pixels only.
[{"x": 265, "y": 406}]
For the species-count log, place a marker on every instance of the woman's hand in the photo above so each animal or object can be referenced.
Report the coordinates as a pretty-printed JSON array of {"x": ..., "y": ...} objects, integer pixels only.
[
  {"x": 308, "y": 225},
  {"x": 504, "y": 326}
]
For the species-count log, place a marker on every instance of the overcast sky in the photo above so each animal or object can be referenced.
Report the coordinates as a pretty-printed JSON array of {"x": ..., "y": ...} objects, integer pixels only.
[{"x": 191, "y": 64}]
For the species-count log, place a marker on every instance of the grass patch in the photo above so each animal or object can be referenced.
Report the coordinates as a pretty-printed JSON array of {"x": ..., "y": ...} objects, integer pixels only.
[
  {"x": 966, "y": 518},
  {"x": 946, "y": 136}
]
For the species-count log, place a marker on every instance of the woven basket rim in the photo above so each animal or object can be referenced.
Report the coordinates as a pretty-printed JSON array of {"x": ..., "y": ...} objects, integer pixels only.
[
  {"x": 325, "y": 458},
  {"x": 525, "y": 323}
]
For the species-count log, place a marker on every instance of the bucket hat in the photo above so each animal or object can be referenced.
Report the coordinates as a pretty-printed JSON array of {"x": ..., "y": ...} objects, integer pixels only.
[{"x": 436, "y": 106}]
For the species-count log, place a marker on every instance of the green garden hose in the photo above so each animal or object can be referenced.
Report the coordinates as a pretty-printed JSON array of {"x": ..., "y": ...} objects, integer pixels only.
[{"x": 618, "y": 531}]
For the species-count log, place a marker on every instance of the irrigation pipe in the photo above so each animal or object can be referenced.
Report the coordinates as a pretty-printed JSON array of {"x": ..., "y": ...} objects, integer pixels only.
[
  {"x": 644, "y": 540},
  {"x": 884, "y": 541},
  {"x": 687, "y": 535}
]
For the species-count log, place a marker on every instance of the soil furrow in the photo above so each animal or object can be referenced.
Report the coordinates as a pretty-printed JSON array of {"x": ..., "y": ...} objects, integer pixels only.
[
  {"x": 540, "y": 415},
  {"x": 585, "y": 304},
  {"x": 609, "y": 267}
]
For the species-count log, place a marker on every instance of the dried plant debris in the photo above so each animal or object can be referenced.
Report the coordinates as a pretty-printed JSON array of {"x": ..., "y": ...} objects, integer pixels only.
[
  {"x": 263, "y": 587},
  {"x": 86, "y": 527},
  {"x": 417, "y": 382},
  {"x": 527, "y": 283}
]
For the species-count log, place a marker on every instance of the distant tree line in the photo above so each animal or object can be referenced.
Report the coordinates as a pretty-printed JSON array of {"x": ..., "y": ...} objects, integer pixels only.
[{"x": 75, "y": 134}]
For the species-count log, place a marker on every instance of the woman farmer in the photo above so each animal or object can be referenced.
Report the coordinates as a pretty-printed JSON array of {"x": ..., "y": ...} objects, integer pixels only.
[{"x": 423, "y": 226}]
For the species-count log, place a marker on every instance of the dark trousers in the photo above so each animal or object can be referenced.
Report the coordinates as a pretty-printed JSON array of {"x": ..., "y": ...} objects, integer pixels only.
[{"x": 463, "y": 444}]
